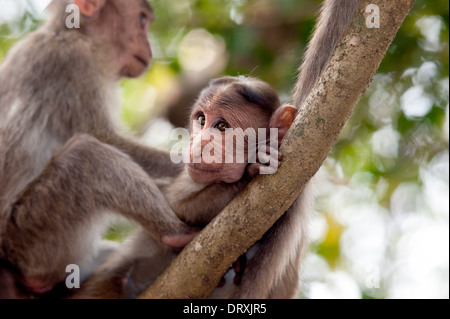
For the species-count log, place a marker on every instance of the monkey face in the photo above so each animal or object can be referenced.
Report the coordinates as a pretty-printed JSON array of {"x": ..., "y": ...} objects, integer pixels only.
[
  {"x": 221, "y": 140},
  {"x": 218, "y": 151},
  {"x": 121, "y": 26},
  {"x": 231, "y": 120},
  {"x": 135, "y": 52},
  {"x": 129, "y": 35}
]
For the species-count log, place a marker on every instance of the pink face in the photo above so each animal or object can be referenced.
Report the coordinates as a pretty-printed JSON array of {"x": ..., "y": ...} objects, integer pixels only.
[
  {"x": 209, "y": 151},
  {"x": 211, "y": 122}
]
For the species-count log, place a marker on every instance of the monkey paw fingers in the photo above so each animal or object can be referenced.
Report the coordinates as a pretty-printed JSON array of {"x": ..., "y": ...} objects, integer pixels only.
[
  {"x": 268, "y": 161},
  {"x": 180, "y": 240}
]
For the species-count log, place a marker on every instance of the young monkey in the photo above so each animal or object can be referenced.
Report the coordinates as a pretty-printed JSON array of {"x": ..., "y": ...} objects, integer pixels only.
[
  {"x": 273, "y": 267},
  {"x": 203, "y": 189}
]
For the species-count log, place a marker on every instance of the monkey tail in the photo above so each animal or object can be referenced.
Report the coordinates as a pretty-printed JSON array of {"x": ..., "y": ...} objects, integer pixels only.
[{"x": 335, "y": 17}]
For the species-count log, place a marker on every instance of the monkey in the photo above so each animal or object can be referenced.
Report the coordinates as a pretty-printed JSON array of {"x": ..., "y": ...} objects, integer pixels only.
[
  {"x": 203, "y": 189},
  {"x": 333, "y": 21},
  {"x": 272, "y": 269},
  {"x": 64, "y": 168}
]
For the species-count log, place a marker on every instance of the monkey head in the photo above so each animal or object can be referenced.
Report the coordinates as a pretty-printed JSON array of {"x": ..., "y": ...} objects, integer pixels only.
[
  {"x": 121, "y": 27},
  {"x": 226, "y": 123}
]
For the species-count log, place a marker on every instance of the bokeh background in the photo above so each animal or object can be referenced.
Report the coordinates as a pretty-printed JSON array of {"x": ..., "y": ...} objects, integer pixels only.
[{"x": 381, "y": 227}]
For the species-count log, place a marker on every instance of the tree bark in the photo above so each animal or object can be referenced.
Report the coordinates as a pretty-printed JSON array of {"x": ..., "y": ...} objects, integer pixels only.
[{"x": 198, "y": 269}]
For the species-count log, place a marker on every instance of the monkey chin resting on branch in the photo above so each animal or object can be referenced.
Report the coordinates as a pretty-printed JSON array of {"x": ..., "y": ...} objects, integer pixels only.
[
  {"x": 228, "y": 118},
  {"x": 63, "y": 167}
]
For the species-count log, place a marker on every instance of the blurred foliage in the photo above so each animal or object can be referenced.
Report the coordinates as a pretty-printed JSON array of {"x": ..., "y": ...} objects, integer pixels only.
[
  {"x": 377, "y": 178},
  {"x": 119, "y": 231}
]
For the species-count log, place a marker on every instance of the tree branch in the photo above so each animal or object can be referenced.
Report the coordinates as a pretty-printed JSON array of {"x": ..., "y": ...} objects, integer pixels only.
[{"x": 198, "y": 269}]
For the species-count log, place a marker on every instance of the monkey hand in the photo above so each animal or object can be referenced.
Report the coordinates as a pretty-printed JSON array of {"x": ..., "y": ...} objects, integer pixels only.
[
  {"x": 269, "y": 158},
  {"x": 267, "y": 162},
  {"x": 239, "y": 269},
  {"x": 180, "y": 240}
]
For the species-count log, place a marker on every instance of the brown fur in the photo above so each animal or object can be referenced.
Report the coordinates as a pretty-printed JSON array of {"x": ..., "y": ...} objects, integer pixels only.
[{"x": 63, "y": 167}]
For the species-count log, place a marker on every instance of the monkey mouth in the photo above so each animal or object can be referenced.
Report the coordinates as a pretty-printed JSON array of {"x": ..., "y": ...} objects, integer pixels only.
[{"x": 141, "y": 60}]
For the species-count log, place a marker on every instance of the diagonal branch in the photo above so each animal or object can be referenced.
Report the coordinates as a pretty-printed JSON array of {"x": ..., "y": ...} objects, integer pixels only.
[{"x": 197, "y": 270}]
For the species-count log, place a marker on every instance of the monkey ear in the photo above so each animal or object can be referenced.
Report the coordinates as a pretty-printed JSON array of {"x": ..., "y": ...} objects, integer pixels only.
[
  {"x": 90, "y": 8},
  {"x": 282, "y": 119}
]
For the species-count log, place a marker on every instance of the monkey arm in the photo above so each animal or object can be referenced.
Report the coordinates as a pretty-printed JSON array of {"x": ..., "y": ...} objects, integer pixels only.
[
  {"x": 197, "y": 204},
  {"x": 155, "y": 162},
  {"x": 132, "y": 269},
  {"x": 83, "y": 181}
]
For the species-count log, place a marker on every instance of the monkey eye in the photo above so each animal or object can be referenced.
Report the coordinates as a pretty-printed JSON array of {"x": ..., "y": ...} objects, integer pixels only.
[
  {"x": 202, "y": 120},
  {"x": 143, "y": 19},
  {"x": 222, "y": 126}
]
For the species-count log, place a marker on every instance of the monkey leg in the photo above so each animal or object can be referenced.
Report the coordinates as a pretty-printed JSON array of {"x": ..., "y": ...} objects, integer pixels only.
[
  {"x": 55, "y": 221},
  {"x": 129, "y": 271}
]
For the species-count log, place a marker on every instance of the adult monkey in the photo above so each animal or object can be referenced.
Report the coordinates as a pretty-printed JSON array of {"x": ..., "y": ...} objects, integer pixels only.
[{"x": 62, "y": 164}]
